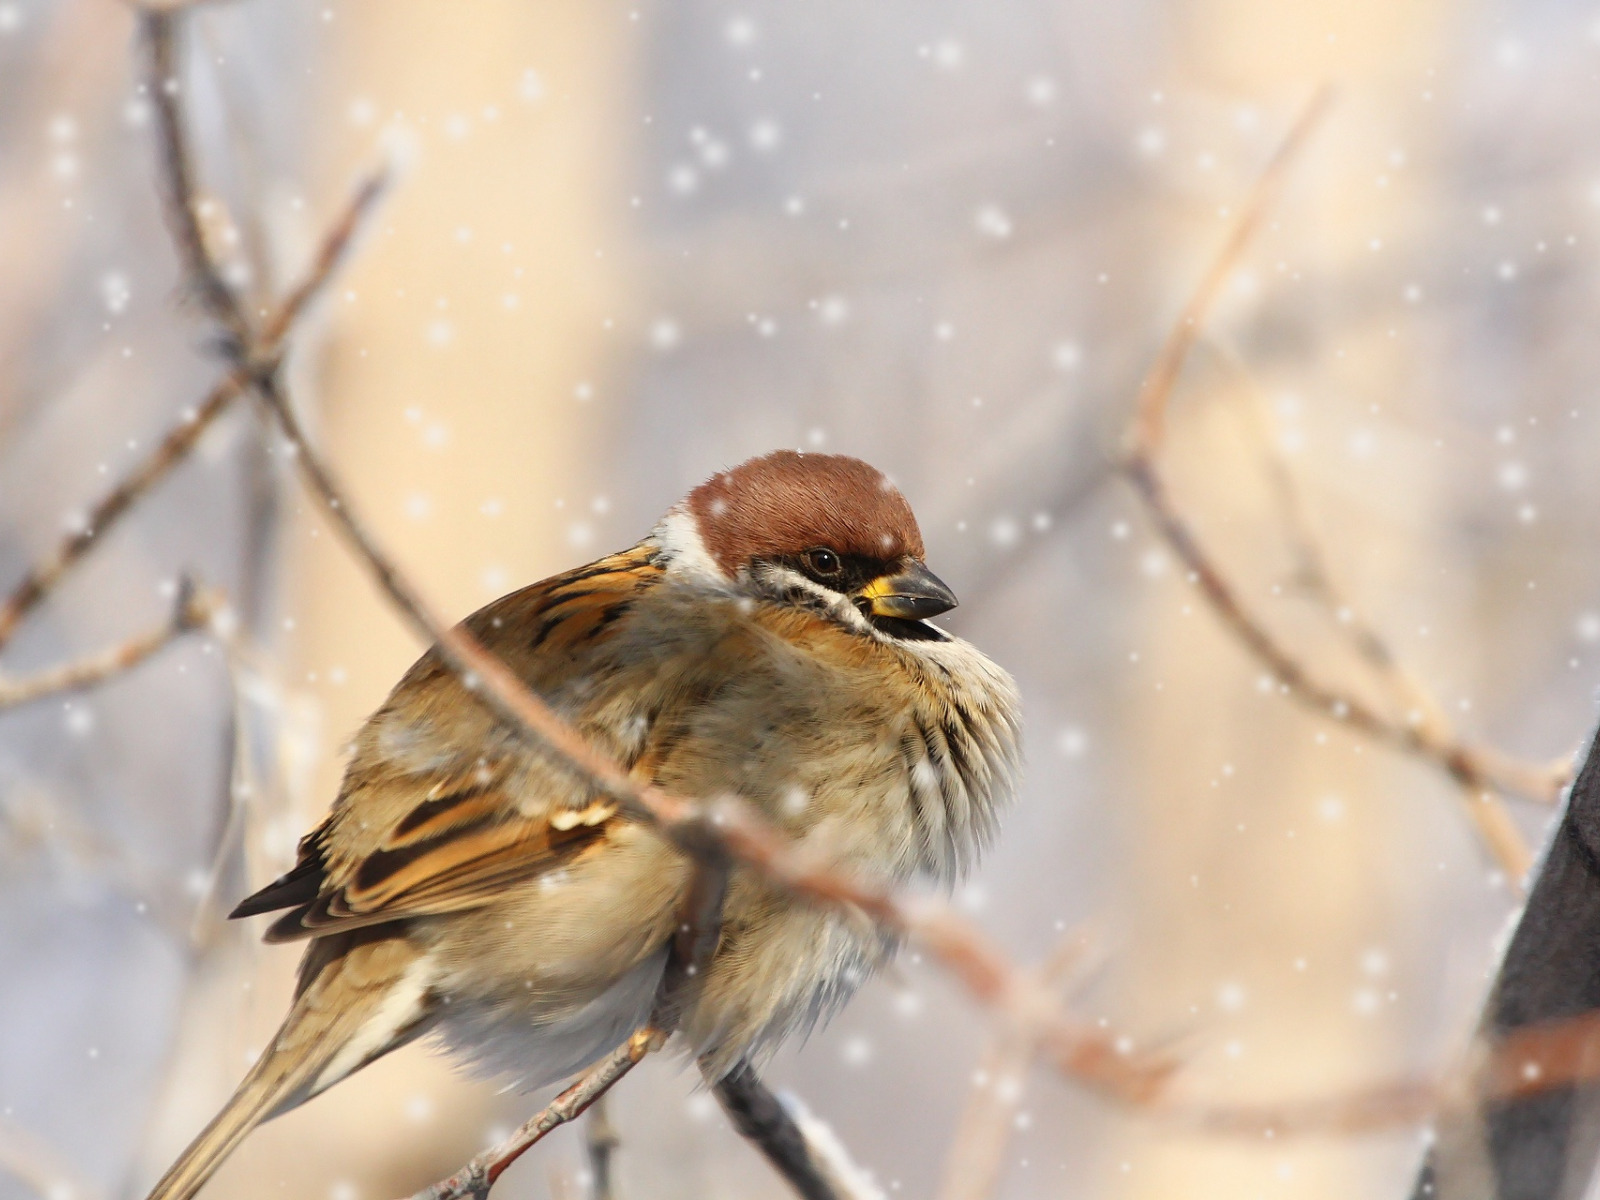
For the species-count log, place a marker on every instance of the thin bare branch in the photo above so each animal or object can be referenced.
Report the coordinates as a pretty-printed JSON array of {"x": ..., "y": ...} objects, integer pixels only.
[
  {"x": 478, "y": 1176},
  {"x": 977, "y": 1151},
  {"x": 172, "y": 449},
  {"x": 160, "y": 29},
  {"x": 177, "y": 190},
  {"x": 1529, "y": 1061},
  {"x": 1150, "y": 418},
  {"x": 1417, "y": 704},
  {"x": 176, "y": 445},
  {"x": 1473, "y": 770},
  {"x": 193, "y": 610},
  {"x": 1463, "y": 763}
]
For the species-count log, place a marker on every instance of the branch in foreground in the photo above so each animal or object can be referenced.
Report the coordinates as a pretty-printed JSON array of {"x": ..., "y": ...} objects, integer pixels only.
[
  {"x": 193, "y": 610},
  {"x": 1474, "y": 771}
]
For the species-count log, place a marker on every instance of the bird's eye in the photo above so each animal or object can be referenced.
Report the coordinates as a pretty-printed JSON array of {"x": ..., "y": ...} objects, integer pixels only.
[{"x": 823, "y": 562}]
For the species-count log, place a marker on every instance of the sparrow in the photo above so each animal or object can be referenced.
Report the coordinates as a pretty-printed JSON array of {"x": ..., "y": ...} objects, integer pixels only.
[{"x": 769, "y": 640}]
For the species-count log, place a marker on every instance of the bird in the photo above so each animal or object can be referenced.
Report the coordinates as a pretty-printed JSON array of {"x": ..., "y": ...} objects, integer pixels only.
[{"x": 770, "y": 640}]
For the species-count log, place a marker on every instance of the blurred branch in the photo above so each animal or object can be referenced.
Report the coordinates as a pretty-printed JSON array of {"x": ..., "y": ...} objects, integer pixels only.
[
  {"x": 172, "y": 449},
  {"x": 176, "y": 445},
  {"x": 160, "y": 28},
  {"x": 1515, "y": 1065},
  {"x": 1312, "y": 574},
  {"x": 194, "y": 610},
  {"x": 1479, "y": 774},
  {"x": 1155, "y": 392},
  {"x": 1493, "y": 824},
  {"x": 977, "y": 1151},
  {"x": 761, "y": 1117},
  {"x": 601, "y": 1142}
]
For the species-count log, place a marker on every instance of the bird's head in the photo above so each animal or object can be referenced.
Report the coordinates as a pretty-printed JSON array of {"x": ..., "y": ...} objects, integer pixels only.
[{"x": 823, "y": 525}]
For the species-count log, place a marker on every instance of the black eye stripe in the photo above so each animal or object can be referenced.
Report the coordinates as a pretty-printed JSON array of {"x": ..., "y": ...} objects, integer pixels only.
[{"x": 851, "y": 572}]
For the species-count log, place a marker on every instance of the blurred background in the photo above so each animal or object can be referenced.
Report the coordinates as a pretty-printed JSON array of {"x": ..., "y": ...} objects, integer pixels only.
[{"x": 637, "y": 242}]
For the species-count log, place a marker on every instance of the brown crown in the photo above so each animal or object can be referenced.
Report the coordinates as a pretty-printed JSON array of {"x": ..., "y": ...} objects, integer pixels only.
[{"x": 786, "y": 502}]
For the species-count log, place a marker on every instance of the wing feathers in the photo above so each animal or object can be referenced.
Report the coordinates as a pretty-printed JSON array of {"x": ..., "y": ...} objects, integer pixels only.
[
  {"x": 464, "y": 869},
  {"x": 425, "y": 825},
  {"x": 299, "y": 886}
]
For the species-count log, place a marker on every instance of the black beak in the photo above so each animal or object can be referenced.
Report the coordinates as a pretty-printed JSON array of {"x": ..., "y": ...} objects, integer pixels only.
[{"x": 911, "y": 594}]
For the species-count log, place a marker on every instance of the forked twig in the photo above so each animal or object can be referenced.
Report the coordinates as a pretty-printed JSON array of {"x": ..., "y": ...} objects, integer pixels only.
[
  {"x": 1475, "y": 771},
  {"x": 1535, "y": 781},
  {"x": 194, "y": 610},
  {"x": 176, "y": 444},
  {"x": 1487, "y": 814}
]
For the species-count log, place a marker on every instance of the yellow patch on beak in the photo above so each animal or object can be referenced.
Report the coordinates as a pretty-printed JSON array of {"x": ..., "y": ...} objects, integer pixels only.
[{"x": 910, "y": 594}]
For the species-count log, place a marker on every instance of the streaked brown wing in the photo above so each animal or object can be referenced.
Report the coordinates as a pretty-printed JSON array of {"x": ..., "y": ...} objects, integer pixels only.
[{"x": 433, "y": 816}]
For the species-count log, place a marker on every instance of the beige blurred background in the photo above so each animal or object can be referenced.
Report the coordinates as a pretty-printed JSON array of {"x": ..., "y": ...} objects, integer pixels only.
[{"x": 634, "y": 243}]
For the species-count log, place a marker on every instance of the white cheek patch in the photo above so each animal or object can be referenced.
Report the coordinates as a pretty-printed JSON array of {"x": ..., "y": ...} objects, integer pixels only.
[
  {"x": 678, "y": 535},
  {"x": 779, "y": 578}
]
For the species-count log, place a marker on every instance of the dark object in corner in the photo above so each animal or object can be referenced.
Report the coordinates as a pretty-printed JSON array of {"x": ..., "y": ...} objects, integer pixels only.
[
  {"x": 761, "y": 1117},
  {"x": 1543, "y": 1146}
]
